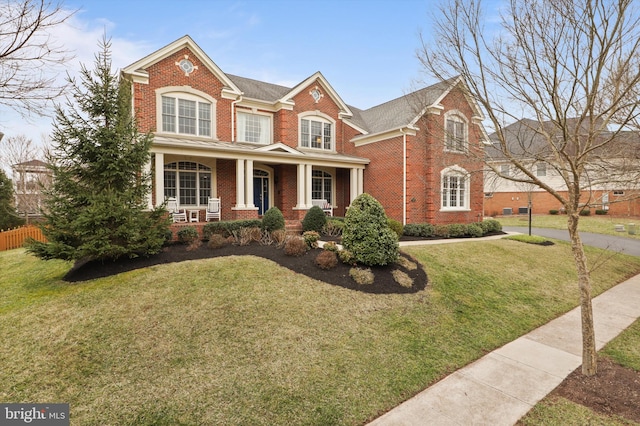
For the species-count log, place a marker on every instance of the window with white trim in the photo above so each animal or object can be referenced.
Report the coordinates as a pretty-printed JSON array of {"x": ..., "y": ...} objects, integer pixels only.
[
  {"x": 255, "y": 128},
  {"x": 456, "y": 139},
  {"x": 187, "y": 114},
  {"x": 321, "y": 184},
  {"x": 455, "y": 189},
  {"x": 189, "y": 182},
  {"x": 541, "y": 169},
  {"x": 505, "y": 170},
  {"x": 316, "y": 133}
]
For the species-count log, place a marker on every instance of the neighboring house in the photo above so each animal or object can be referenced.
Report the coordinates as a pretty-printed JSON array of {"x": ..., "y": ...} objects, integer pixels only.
[
  {"x": 603, "y": 191},
  {"x": 257, "y": 145},
  {"x": 29, "y": 180}
]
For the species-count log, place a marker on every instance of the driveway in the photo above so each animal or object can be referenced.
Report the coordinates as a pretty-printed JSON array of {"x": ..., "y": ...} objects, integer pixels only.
[{"x": 609, "y": 242}]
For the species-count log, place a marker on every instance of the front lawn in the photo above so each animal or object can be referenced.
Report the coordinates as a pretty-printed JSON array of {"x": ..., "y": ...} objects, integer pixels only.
[
  {"x": 241, "y": 340},
  {"x": 599, "y": 224}
]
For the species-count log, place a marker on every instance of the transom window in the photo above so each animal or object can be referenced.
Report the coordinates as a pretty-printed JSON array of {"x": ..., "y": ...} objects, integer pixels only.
[
  {"x": 254, "y": 128},
  {"x": 316, "y": 133},
  {"x": 321, "y": 183},
  {"x": 455, "y": 133},
  {"x": 455, "y": 189},
  {"x": 186, "y": 116},
  {"x": 189, "y": 182}
]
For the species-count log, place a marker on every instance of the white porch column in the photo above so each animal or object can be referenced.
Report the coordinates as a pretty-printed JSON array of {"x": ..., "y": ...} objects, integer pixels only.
[
  {"x": 248, "y": 193},
  {"x": 147, "y": 172},
  {"x": 301, "y": 186},
  {"x": 360, "y": 181},
  {"x": 307, "y": 186},
  {"x": 159, "y": 178},
  {"x": 353, "y": 185},
  {"x": 240, "y": 184}
]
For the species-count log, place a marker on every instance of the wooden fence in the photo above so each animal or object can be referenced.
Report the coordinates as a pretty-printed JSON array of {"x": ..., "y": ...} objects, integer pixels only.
[{"x": 15, "y": 238}]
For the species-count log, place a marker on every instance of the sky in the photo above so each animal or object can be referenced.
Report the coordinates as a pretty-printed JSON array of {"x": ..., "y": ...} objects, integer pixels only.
[{"x": 366, "y": 49}]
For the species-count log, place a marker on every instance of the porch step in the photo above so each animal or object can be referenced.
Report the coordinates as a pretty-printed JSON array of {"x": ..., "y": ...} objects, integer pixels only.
[{"x": 293, "y": 226}]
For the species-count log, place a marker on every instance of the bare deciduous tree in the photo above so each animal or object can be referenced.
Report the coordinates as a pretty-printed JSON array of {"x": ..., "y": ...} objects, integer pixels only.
[
  {"x": 29, "y": 57},
  {"x": 571, "y": 70}
]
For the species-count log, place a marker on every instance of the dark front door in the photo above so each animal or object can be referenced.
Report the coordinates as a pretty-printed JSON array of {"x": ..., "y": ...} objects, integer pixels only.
[{"x": 261, "y": 191}]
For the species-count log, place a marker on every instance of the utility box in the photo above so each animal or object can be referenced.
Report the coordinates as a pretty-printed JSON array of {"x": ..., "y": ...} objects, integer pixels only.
[
  {"x": 507, "y": 211},
  {"x": 631, "y": 228}
]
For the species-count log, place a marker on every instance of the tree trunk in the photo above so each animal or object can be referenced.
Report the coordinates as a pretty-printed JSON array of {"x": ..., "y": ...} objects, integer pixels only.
[{"x": 589, "y": 364}]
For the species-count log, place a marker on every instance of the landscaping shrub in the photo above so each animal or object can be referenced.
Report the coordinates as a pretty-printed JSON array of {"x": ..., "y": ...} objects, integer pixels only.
[
  {"x": 311, "y": 238},
  {"x": 217, "y": 241},
  {"x": 406, "y": 263},
  {"x": 492, "y": 225},
  {"x": 395, "y": 227},
  {"x": 366, "y": 233},
  {"x": 244, "y": 236},
  {"x": 295, "y": 246},
  {"x": 194, "y": 245},
  {"x": 585, "y": 212},
  {"x": 441, "y": 231},
  {"x": 226, "y": 228},
  {"x": 279, "y": 237},
  {"x": 314, "y": 220},
  {"x": 362, "y": 276},
  {"x": 326, "y": 259},
  {"x": 330, "y": 246},
  {"x": 424, "y": 230},
  {"x": 601, "y": 212},
  {"x": 402, "y": 278},
  {"x": 187, "y": 234},
  {"x": 346, "y": 257},
  {"x": 333, "y": 228},
  {"x": 273, "y": 219},
  {"x": 553, "y": 211},
  {"x": 457, "y": 230},
  {"x": 474, "y": 230},
  {"x": 168, "y": 236}
]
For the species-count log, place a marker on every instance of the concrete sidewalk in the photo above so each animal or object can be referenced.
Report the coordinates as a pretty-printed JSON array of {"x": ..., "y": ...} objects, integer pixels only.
[{"x": 501, "y": 387}]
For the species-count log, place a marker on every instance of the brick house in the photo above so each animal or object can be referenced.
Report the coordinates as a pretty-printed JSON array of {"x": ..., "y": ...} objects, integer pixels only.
[
  {"x": 257, "y": 145},
  {"x": 619, "y": 197}
]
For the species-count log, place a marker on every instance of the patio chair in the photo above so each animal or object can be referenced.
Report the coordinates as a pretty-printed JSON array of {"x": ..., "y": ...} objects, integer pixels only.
[
  {"x": 213, "y": 209},
  {"x": 324, "y": 205},
  {"x": 176, "y": 213}
]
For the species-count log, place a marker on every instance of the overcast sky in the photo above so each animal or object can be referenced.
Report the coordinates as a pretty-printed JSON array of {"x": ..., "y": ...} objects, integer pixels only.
[{"x": 365, "y": 48}]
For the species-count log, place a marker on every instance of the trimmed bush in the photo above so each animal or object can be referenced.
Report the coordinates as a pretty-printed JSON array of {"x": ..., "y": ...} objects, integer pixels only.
[
  {"x": 366, "y": 233},
  {"x": 226, "y": 228},
  {"x": 457, "y": 230},
  {"x": 553, "y": 212},
  {"x": 601, "y": 212},
  {"x": 187, "y": 234},
  {"x": 585, "y": 212},
  {"x": 311, "y": 238},
  {"x": 295, "y": 246},
  {"x": 441, "y": 231},
  {"x": 424, "y": 230},
  {"x": 314, "y": 220},
  {"x": 346, "y": 257},
  {"x": 330, "y": 246},
  {"x": 492, "y": 225},
  {"x": 272, "y": 219},
  {"x": 326, "y": 259},
  {"x": 474, "y": 230},
  {"x": 395, "y": 227}
]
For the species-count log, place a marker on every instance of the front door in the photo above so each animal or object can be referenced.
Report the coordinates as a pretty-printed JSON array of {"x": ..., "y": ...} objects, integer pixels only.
[{"x": 261, "y": 190}]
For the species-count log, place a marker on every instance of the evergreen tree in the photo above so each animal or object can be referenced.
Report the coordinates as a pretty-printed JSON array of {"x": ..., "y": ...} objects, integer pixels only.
[
  {"x": 8, "y": 216},
  {"x": 96, "y": 207}
]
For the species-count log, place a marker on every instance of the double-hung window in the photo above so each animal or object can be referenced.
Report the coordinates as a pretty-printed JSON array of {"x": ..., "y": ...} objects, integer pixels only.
[
  {"x": 455, "y": 189},
  {"x": 316, "y": 133},
  {"x": 255, "y": 128},
  {"x": 186, "y": 115},
  {"x": 189, "y": 182},
  {"x": 321, "y": 184},
  {"x": 455, "y": 133}
]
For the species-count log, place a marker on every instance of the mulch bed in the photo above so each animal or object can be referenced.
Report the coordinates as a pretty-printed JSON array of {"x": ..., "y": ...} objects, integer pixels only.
[{"x": 384, "y": 281}]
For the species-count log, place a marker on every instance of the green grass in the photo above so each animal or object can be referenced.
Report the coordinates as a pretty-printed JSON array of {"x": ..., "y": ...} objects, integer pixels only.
[
  {"x": 597, "y": 224},
  {"x": 529, "y": 239},
  {"x": 240, "y": 340}
]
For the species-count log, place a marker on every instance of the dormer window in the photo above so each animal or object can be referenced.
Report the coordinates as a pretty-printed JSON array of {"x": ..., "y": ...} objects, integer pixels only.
[
  {"x": 186, "y": 112},
  {"x": 456, "y": 133},
  {"x": 316, "y": 132}
]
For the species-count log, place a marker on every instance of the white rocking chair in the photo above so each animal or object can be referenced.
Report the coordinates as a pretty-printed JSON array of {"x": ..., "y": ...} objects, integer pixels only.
[
  {"x": 213, "y": 209},
  {"x": 176, "y": 213}
]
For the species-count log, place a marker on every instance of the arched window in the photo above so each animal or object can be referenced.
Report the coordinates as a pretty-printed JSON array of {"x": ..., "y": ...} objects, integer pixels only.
[
  {"x": 316, "y": 131},
  {"x": 186, "y": 111},
  {"x": 321, "y": 184},
  {"x": 189, "y": 182},
  {"x": 455, "y": 188},
  {"x": 456, "y": 132}
]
